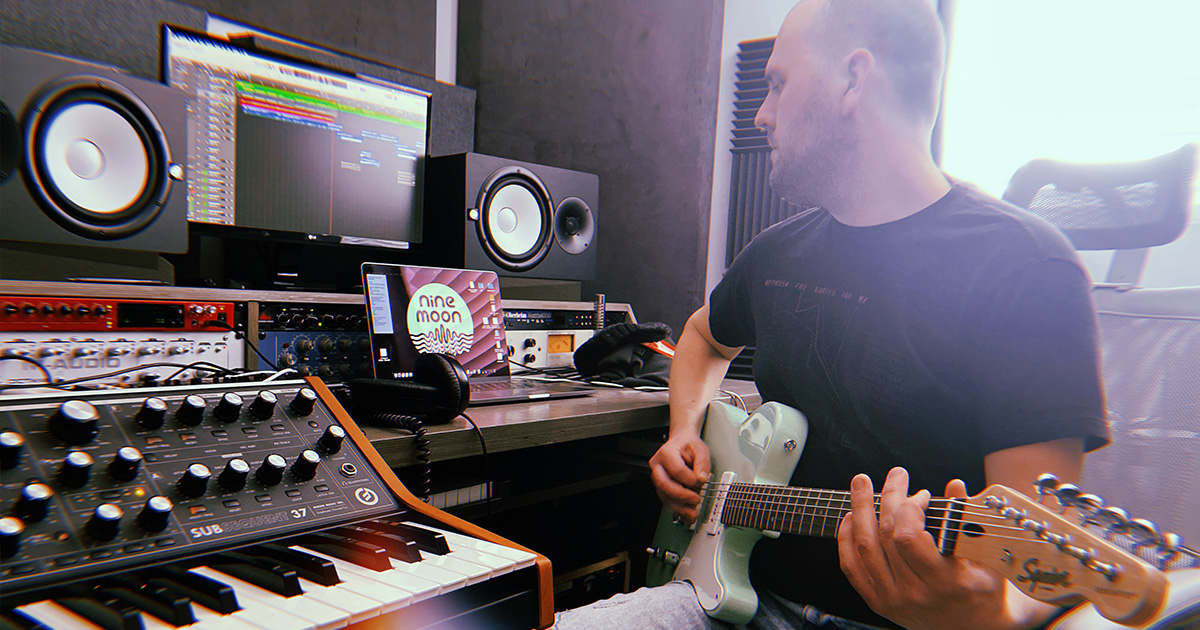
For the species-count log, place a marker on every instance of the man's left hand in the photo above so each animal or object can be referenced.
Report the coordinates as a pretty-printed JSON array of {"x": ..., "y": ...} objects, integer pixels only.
[{"x": 892, "y": 561}]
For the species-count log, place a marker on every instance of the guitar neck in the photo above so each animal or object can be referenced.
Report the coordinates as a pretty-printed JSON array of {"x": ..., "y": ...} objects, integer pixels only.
[{"x": 802, "y": 511}]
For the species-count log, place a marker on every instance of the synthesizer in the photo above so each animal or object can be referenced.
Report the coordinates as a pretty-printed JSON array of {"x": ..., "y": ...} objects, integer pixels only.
[{"x": 248, "y": 505}]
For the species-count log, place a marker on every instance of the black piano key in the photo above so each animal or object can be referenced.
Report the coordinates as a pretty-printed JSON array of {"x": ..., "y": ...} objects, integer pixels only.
[
  {"x": 399, "y": 548},
  {"x": 17, "y": 620},
  {"x": 199, "y": 588},
  {"x": 305, "y": 565},
  {"x": 363, "y": 554},
  {"x": 104, "y": 612},
  {"x": 173, "y": 610},
  {"x": 426, "y": 539},
  {"x": 269, "y": 575}
]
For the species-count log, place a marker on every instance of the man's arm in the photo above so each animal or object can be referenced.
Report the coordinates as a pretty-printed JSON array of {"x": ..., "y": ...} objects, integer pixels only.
[
  {"x": 681, "y": 465},
  {"x": 893, "y": 563}
]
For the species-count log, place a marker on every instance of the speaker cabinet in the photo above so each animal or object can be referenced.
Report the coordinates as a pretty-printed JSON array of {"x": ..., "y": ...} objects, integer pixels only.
[
  {"x": 87, "y": 155},
  {"x": 514, "y": 218}
]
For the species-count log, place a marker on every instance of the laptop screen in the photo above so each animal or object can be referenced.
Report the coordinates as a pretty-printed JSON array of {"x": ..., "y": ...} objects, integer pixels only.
[{"x": 415, "y": 310}]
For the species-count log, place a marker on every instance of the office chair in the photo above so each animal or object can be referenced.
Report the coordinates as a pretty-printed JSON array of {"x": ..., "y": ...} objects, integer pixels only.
[{"x": 1150, "y": 338}]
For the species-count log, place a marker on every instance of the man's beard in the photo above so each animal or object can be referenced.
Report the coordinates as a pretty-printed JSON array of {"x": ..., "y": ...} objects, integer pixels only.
[{"x": 814, "y": 174}]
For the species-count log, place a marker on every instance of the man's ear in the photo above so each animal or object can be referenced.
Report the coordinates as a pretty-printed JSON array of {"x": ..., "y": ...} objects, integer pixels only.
[{"x": 859, "y": 70}]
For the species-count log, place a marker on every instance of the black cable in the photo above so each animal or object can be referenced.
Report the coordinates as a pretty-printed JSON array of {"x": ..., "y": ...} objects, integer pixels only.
[
  {"x": 241, "y": 335},
  {"x": 487, "y": 467},
  {"x": 17, "y": 357},
  {"x": 421, "y": 449}
]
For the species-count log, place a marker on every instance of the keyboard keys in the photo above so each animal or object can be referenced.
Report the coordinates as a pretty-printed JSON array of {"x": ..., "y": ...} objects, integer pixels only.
[{"x": 274, "y": 611}]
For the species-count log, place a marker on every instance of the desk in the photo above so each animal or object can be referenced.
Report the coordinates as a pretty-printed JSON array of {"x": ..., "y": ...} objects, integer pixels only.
[{"x": 510, "y": 427}]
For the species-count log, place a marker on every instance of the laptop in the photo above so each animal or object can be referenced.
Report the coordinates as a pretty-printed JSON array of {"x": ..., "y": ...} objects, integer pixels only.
[{"x": 415, "y": 309}]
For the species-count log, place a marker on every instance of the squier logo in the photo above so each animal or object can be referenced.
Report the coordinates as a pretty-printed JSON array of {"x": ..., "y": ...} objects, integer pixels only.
[{"x": 439, "y": 321}]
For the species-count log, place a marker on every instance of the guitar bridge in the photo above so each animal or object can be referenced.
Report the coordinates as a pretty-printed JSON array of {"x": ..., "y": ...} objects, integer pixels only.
[{"x": 714, "y": 526}]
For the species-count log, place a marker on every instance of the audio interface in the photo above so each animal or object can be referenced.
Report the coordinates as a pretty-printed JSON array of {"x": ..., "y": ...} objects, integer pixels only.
[{"x": 58, "y": 314}]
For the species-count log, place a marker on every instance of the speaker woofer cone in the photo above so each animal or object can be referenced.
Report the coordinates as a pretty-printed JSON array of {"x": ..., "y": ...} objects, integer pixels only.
[
  {"x": 515, "y": 217},
  {"x": 95, "y": 158}
]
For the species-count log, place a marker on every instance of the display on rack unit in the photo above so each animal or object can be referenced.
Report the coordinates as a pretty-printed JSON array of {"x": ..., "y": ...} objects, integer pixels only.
[
  {"x": 548, "y": 338},
  {"x": 95, "y": 338},
  {"x": 325, "y": 340}
]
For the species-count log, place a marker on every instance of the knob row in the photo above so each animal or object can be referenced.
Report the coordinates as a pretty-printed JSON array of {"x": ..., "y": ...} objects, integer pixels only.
[{"x": 194, "y": 481}]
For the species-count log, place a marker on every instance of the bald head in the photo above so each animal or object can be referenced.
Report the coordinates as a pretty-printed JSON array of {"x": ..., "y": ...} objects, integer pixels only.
[{"x": 904, "y": 36}]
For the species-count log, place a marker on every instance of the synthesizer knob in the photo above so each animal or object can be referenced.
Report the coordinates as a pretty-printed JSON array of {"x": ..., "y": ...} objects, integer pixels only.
[
  {"x": 124, "y": 465},
  {"x": 271, "y": 471},
  {"x": 11, "y": 445},
  {"x": 325, "y": 345},
  {"x": 304, "y": 346},
  {"x": 233, "y": 478},
  {"x": 10, "y": 536},
  {"x": 75, "y": 422},
  {"x": 191, "y": 410},
  {"x": 152, "y": 413},
  {"x": 105, "y": 521},
  {"x": 331, "y": 440},
  {"x": 304, "y": 401},
  {"x": 305, "y": 467},
  {"x": 155, "y": 514},
  {"x": 34, "y": 502},
  {"x": 75, "y": 469},
  {"x": 263, "y": 405},
  {"x": 195, "y": 480},
  {"x": 228, "y": 408}
]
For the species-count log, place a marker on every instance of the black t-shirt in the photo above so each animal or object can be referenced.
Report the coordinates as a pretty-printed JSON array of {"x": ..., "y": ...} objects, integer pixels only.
[{"x": 926, "y": 342}]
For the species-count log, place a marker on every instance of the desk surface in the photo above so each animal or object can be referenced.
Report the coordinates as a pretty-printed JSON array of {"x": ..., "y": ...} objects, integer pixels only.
[{"x": 523, "y": 425}]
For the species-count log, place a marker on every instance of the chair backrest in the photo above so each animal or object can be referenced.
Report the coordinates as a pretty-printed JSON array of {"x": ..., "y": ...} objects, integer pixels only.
[{"x": 1149, "y": 338}]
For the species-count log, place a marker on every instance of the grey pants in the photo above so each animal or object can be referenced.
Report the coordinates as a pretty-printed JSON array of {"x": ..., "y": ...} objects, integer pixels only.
[{"x": 674, "y": 606}]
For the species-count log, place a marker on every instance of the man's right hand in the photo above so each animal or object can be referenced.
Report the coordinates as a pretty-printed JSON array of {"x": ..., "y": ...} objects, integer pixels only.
[{"x": 679, "y": 469}]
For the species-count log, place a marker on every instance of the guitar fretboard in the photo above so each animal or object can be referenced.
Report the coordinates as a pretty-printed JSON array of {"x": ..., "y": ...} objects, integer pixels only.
[{"x": 792, "y": 510}]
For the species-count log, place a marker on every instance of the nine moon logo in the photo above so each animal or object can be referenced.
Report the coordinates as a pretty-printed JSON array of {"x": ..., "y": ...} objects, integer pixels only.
[{"x": 439, "y": 320}]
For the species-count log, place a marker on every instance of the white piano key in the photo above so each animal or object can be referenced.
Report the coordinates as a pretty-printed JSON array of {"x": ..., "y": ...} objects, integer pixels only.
[
  {"x": 207, "y": 619},
  {"x": 418, "y": 587},
  {"x": 290, "y": 612},
  {"x": 356, "y": 607},
  {"x": 52, "y": 615},
  {"x": 474, "y": 572},
  {"x": 521, "y": 558}
]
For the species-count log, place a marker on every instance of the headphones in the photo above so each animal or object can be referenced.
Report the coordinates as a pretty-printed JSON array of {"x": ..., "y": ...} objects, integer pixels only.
[{"x": 437, "y": 393}]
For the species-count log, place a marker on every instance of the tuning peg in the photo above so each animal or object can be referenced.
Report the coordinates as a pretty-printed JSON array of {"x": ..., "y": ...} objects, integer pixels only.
[
  {"x": 1089, "y": 506},
  {"x": 1109, "y": 571},
  {"x": 1067, "y": 494},
  {"x": 1168, "y": 548},
  {"x": 1114, "y": 520},
  {"x": 1143, "y": 533},
  {"x": 1045, "y": 484}
]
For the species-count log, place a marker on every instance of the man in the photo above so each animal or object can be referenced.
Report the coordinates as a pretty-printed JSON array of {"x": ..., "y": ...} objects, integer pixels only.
[{"x": 914, "y": 321}]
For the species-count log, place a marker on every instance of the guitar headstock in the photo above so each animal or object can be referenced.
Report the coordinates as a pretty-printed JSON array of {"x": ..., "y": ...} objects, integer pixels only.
[{"x": 1053, "y": 559}]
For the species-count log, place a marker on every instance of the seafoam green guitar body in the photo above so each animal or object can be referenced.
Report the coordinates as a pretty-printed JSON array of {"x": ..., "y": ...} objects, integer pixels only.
[{"x": 761, "y": 448}]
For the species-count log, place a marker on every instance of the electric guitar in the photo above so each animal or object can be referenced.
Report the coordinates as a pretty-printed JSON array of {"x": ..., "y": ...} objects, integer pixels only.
[{"x": 753, "y": 456}]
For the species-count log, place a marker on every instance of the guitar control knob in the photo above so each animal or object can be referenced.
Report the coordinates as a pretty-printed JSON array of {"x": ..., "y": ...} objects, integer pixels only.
[
  {"x": 331, "y": 440},
  {"x": 75, "y": 469},
  {"x": 304, "y": 402},
  {"x": 155, "y": 514},
  {"x": 233, "y": 478},
  {"x": 228, "y": 408},
  {"x": 152, "y": 413},
  {"x": 105, "y": 521},
  {"x": 263, "y": 405},
  {"x": 10, "y": 536},
  {"x": 75, "y": 422},
  {"x": 195, "y": 480},
  {"x": 34, "y": 502},
  {"x": 11, "y": 445},
  {"x": 191, "y": 410},
  {"x": 305, "y": 467},
  {"x": 271, "y": 471},
  {"x": 124, "y": 465}
]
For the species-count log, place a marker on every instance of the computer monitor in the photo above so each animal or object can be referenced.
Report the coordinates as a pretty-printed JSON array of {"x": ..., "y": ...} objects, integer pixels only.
[{"x": 282, "y": 148}]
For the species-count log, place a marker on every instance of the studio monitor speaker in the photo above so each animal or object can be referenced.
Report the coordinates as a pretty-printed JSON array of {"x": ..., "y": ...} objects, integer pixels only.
[
  {"x": 89, "y": 155},
  {"x": 514, "y": 218}
]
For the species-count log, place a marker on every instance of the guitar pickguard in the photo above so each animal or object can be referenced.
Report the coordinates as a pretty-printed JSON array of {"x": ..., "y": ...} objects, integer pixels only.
[{"x": 764, "y": 448}]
